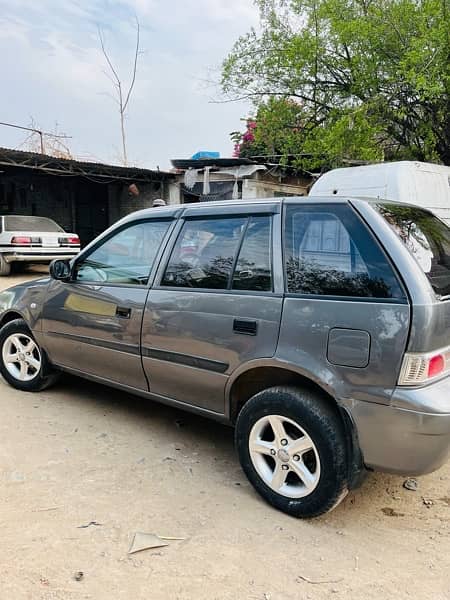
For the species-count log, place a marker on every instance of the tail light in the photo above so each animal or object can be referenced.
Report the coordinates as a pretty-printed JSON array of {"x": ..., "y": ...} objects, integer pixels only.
[
  {"x": 21, "y": 240},
  {"x": 72, "y": 240},
  {"x": 420, "y": 368}
]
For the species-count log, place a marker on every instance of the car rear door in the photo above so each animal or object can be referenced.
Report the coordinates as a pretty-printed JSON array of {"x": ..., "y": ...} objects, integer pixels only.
[
  {"x": 215, "y": 303},
  {"x": 93, "y": 323}
]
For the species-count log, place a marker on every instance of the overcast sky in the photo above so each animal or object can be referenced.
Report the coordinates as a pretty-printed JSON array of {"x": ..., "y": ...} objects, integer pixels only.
[{"x": 52, "y": 70}]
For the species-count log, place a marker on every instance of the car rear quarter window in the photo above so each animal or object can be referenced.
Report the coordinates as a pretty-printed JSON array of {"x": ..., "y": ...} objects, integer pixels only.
[
  {"x": 330, "y": 252},
  {"x": 427, "y": 239}
]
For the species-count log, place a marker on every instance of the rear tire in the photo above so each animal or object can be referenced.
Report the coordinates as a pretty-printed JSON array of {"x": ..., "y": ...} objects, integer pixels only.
[
  {"x": 5, "y": 267},
  {"x": 23, "y": 363},
  {"x": 291, "y": 445}
]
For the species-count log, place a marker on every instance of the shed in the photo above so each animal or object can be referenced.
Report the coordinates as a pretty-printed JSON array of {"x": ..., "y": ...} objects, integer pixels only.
[{"x": 82, "y": 196}]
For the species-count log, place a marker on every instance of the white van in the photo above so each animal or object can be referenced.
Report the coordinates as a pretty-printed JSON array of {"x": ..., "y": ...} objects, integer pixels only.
[{"x": 424, "y": 184}]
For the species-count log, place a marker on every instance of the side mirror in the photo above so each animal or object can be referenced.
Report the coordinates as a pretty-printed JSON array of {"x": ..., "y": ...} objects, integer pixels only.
[{"x": 60, "y": 270}]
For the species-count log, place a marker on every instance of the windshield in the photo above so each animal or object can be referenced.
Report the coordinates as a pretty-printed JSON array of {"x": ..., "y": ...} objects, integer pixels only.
[
  {"x": 35, "y": 224},
  {"x": 427, "y": 238}
]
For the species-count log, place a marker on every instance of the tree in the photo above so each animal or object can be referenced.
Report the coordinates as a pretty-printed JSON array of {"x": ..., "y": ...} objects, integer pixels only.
[
  {"x": 49, "y": 143},
  {"x": 122, "y": 97},
  {"x": 355, "y": 79}
]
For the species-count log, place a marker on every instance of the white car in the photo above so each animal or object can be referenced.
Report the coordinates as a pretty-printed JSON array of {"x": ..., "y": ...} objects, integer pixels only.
[{"x": 29, "y": 239}]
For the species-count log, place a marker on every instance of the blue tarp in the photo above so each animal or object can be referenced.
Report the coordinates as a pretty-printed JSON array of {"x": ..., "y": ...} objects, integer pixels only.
[{"x": 205, "y": 154}]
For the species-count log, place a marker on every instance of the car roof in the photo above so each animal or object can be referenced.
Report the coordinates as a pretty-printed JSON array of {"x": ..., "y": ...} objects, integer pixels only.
[
  {"x": 28, "y": 217},
  {"x": 175, "y": 210}
]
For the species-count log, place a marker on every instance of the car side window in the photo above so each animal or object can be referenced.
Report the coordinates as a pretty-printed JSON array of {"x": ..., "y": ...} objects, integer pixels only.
[
  {"x": 124, "y": 258},
  {"x": 253, "y": 269},
  {"x": 204, "y": 253},
  {"x": 329, "y": 251}
]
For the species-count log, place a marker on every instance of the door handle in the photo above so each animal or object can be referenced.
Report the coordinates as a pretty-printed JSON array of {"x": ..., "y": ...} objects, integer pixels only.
[
  {"x": 246, "y": 274},
  {"x": 245, "y": 327},
  {"x": 123, "y": 312}
]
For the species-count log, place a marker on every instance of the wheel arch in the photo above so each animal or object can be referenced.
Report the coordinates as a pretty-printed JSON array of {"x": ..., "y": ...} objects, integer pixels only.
[
  {"x": 255, "y": 376},
  {"x": 265, "y": 374},
  {"x": 12, "y": 315}
]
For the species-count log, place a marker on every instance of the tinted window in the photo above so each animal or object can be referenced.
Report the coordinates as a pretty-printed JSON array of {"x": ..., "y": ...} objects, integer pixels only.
[
  {"x": 126, "y": 257},
  {"x": 329, "y": 251},
  {"x": 204, "y": 253},
  {"x": 254, "y": 265},
  {"x": 35, "y": 224},
  {"x": 426, "y": 237}
]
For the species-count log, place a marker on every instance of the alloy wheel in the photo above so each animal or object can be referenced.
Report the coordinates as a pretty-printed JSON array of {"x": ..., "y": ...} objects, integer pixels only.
[
  {"x": 21, "y": 357},
  {"x": 285, "y": 456}
]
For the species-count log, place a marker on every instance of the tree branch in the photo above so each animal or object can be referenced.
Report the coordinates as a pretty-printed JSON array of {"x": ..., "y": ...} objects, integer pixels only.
[
  {"x": 106, "y": 56},
  {"x": 134, "y": 66}
]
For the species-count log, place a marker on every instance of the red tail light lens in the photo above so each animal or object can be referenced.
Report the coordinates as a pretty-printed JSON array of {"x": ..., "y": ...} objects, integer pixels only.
[
  {"x": 436, "y": 365},
  {"x": 418, "y": 369},
  {"x": 21, "y": 240},
  {"x": 73, "y": 240}
]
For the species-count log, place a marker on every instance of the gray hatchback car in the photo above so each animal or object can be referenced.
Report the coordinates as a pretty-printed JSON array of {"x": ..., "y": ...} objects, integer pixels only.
[{"x": 319, "y": 328}]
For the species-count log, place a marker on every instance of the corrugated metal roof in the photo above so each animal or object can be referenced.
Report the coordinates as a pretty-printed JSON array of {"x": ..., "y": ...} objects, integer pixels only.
[{"x": 69, "y": 166}]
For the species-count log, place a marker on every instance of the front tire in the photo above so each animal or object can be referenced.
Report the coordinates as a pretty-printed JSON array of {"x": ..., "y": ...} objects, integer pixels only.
[
  {"x": 22, "y": 362},
  {"x": 291, "y": 446}
]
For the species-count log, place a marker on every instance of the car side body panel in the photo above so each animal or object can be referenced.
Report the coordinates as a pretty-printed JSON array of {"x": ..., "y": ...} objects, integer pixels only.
[
  {"x": 27, "y": 301},
  {"x": 82, "y": 329},
  {"x": 185, "y": 353},
  {"x": 190, "y": 346},
  {"x": 305, "y": 335}
]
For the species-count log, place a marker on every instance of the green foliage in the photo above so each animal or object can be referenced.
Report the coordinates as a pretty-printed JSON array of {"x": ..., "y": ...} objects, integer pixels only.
[{"x": 346, "y": 79}]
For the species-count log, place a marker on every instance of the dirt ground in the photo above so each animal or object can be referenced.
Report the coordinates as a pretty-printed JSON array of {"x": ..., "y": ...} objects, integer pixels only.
[{"x": 80, "y": 453}]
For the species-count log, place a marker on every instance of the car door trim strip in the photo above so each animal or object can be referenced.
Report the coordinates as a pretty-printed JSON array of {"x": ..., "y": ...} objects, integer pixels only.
[
  {"x": 185, "y": 359},
  {"x": 109, "y": 345}
]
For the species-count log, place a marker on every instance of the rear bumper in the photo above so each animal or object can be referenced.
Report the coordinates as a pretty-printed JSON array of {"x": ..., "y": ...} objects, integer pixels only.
[
  {"x": 410, "y": 436},
  {"x": 39, "y": 257}
]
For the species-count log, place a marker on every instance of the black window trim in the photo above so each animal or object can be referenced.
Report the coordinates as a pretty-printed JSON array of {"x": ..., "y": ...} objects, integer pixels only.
[
  {"x": 332, "y": 298},
  {"x": 370, "y": 299},
  {"x": 271, "y": 224},
  {"x": 237, "y": 253}
]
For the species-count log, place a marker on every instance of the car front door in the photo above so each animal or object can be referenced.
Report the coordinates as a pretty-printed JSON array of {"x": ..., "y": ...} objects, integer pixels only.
[
  {"x": 93, "y": 323},
  {"x": 215, "y": 304}
]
